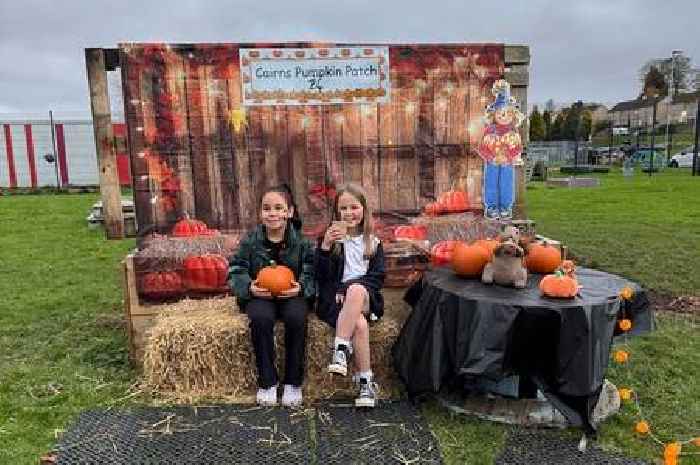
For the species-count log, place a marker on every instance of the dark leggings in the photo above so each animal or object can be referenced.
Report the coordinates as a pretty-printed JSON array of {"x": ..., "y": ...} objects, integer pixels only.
[{"x": 262, "y": 314}]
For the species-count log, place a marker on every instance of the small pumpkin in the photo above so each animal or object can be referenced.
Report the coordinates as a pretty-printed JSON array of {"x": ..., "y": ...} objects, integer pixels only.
[
  {"x": 441, "y": 253},
  {"x": 432, "y": 209},
  {"x": 469, "y": 260},
  {"x": 275, "y": 278},
  {"x": 488, "y": 244},
  {"x": 559, "y": 285},
  {"x": 418, "y": 233},
  {"x": 542, "y": 258},
  {"x": 453, "y": 201},
  {"x": 161, "y": 284},
  {"x": 187, "y": 227},
  {"x": 205, "y": 273}
]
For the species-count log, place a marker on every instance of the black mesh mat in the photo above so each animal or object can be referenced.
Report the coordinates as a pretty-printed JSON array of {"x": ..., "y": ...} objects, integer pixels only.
[
  {"x": 546, "y": 447},
  {"x": 391, "y": 433},
  {"x": 187, "y": 435}
]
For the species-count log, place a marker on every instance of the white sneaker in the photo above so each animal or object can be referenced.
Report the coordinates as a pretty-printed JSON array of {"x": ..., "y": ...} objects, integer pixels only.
[
  {"x": 339, "y": 363},
  {"x": 368, "y": 394},
  {"x": 292, "y": 396},
  {"x": 267, "y": 397}
]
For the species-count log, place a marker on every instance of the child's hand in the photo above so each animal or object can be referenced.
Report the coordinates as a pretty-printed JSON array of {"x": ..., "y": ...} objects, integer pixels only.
[
  {"x": 291, "y": 292},
  {"x": 332, "y": 235},
  {"x": 259, "y": 292}
]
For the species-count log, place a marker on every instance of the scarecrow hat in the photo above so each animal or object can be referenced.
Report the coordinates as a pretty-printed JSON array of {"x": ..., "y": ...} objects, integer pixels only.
[{"x": 501, "y": 90}]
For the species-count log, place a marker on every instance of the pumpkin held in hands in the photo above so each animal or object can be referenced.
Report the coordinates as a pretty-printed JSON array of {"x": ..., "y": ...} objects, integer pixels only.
[
  {"x": 469, "y": 260},
  {"x": 275, "y": 278},
  {"x": 543, "y": 258}
]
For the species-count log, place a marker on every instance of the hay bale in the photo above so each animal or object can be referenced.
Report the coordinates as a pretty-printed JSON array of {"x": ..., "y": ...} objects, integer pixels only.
[
  {"x": 202, "y": 349},
  {"x": 319, "y": 384}
]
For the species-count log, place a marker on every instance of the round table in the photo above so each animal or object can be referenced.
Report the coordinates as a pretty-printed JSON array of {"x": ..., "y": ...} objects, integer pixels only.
[{"x": 464, "y": 328}]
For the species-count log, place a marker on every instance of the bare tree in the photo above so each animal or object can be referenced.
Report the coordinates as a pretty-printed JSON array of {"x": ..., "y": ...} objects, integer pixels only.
[{"x": 682, "y": 72}]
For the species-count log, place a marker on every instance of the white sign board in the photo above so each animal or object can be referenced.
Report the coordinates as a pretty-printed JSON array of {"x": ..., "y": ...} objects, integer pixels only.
[{"x": 314, "y": 76}]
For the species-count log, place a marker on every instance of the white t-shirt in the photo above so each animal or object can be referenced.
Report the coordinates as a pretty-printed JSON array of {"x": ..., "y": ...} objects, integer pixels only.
[{"x": 355, "y": 264}]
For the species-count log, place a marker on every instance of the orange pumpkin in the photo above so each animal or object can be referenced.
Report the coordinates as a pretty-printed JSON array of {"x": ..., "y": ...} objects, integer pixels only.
[
  {"x": 469, "y": 260},
  {"x": 489, "y": 244},
  {"x": 559, "y": 285},
  {"x": 205, "y": 273},
  {"x": 187, "y": 227},
  {"x": 453, "y": 201},
  {"x": 543, "y": 258},
  {"x": 432, "y": 209},
  {"x": 161, "y": 284},
  {"x": 275, "y": 278},
  {"x": 441, "y": 253},
  {"x": 418, "y": 233}
]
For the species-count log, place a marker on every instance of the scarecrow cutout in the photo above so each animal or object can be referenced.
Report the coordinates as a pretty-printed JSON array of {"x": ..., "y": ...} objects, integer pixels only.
[{"x": 500, "y": 148}]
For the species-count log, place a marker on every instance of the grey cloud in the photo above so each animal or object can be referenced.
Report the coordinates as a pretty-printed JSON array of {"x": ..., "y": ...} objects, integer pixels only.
[{"x": 590, "y": 50}]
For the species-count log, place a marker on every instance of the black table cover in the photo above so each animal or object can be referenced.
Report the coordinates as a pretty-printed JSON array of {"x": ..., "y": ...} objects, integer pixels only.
[{"x": 462, "y": 327}]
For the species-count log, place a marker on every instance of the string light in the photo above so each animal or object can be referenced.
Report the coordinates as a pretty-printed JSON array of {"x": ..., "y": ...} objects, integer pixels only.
[{"x": 672, "y": 450}]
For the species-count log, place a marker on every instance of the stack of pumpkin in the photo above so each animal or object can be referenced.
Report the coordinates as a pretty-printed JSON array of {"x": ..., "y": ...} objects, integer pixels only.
[{"x": 193, "y": 260}]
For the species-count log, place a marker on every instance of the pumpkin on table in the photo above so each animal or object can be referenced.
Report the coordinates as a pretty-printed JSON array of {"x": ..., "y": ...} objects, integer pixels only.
[
  {"x": 488, "y": 244},
  {"x": 469, "y": 260},
  {"x": 275, "y": 278},
  {"x": 542, "y": 258},
  {"x": 205, "y": 273},
  {"x": 562, "y": 284}
]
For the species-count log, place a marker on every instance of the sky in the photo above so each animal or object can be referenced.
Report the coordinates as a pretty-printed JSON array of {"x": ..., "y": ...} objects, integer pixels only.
[{"x": 589, "y": 50}]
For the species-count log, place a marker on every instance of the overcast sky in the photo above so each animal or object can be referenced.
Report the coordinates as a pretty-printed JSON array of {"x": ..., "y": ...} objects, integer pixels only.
[{"x": 588, "y": 50}]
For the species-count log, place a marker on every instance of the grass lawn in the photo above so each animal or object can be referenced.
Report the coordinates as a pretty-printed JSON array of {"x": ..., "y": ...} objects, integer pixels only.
[{"x": 62, "y": 350}]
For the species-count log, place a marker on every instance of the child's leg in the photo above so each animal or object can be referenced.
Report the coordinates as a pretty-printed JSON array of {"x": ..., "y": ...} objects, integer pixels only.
[
  {"x": 356, "y": 300},
  {"x": 294, "y": 317},
  {"x": 261, "y": 314},
  {"x": 360, "y": 341}
]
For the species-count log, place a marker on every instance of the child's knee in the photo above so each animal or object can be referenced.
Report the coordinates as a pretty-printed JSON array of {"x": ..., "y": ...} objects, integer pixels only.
[{"x": 356, "y": 292}]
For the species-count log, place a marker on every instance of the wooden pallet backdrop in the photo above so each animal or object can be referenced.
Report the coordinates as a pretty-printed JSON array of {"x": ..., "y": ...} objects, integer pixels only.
[{"x": 196, "y": 150}]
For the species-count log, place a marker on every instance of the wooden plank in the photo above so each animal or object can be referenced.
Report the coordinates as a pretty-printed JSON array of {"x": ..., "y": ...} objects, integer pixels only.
[
  {"x": 370, "y": 166},
  {"x": 516, "y": 54},
  {"x": 241, "y": 161},
  {"x": 133, "y": 103},
  {"x": 110, "y": 190},
  {"x": 388, "y": 177},
  {"x": 297, "y": 147},
  {"x": 180, "y": 157},
  {"x": 520, "y": 207}
]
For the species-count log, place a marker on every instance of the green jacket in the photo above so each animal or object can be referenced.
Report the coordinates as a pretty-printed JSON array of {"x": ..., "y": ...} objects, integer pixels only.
[{"x": 252, "y": 256}]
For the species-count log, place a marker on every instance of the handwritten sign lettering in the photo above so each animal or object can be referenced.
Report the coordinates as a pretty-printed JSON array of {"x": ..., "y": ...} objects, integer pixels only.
[{"x": 313, "y": 76}]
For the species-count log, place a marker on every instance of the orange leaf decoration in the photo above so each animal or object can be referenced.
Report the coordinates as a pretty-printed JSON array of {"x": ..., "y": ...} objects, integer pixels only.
[
  {"x": 625, "y": 394},
  {"x": 642, "y": 427},
  {"x": 621, "y": 356},
  {"x": 671, "y": 452},
  {"x": 626, "y": 293},
  {"x": 625, "y": 325}
]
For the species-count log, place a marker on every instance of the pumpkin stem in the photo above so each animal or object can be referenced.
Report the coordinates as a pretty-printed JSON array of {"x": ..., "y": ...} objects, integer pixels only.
[{"x": 273, "y": 263}]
